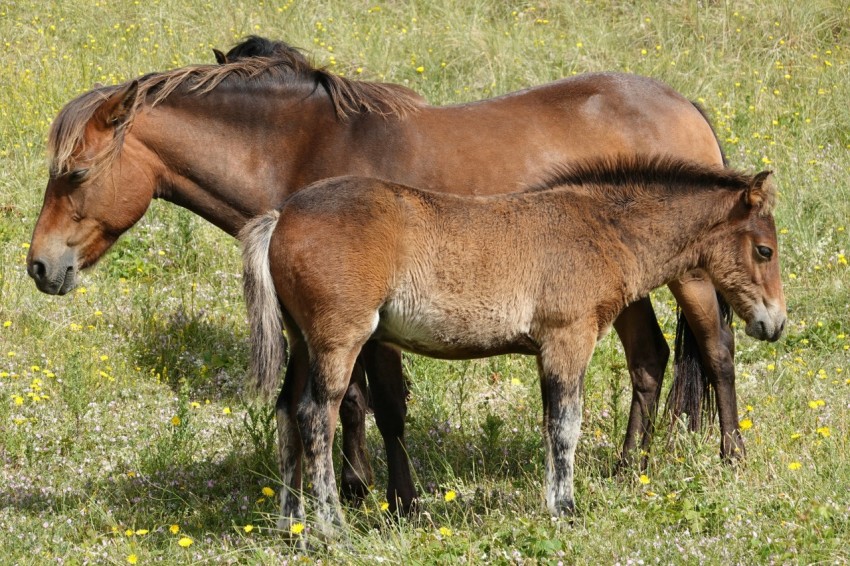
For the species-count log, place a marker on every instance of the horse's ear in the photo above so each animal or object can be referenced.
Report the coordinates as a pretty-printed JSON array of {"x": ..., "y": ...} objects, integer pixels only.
[
  {"x": 220, "y": 57},
  {"x": 762, "y": 192},
  {"x": 116, "y": 110}
]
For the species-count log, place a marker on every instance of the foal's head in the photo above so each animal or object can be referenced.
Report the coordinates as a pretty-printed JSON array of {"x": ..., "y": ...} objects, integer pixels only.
[
  {"x": 745, "y": 263},
  {"x": 99, "y": 186}
]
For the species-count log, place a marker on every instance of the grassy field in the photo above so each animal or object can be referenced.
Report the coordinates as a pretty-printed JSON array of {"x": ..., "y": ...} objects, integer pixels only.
[{"x": 125, "y": 435}]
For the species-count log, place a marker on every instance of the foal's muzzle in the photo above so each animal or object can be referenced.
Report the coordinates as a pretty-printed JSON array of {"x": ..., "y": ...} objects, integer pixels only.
[{"x": 767, "y": 323}]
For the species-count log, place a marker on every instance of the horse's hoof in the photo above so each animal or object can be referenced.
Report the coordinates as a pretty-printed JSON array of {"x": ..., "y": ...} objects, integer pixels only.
[
  {"x": 565, "y": 508},
  {"x": 732, "y": 450},
  {"x": 353, "y": 492}
]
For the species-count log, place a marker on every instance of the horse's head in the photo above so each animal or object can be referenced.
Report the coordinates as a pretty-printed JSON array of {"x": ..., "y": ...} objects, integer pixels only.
[
  {"x": 746, "y": 271},
  {"x": 99, "y": 186}
]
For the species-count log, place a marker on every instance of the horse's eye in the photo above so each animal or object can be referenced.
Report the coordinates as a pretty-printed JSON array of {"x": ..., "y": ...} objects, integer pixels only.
[
  {"x": 764, "y": 251},
  {"x": 77, "y": 176}
]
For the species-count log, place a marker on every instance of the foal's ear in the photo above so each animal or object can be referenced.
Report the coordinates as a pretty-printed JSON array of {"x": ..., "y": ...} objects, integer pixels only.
[
  {"x": 762, "y": 192},
  {"x": 116, "y": 110},
  {"x": 220, "y": 57}
]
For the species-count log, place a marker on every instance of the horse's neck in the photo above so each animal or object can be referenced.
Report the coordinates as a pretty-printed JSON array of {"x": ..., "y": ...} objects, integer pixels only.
[
  {"x": 227, "y": 168},
  {"x": 670, "y": 239}
]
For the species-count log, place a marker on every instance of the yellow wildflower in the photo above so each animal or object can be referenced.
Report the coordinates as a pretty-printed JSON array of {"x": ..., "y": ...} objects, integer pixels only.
[
  {"x": 644, "y": 479},
  {"x": 296, "y": 528},
  {"x": 746, "y": 424},
  {"x": 451, "y": 495},
  {"x": 795, "y": 466},
  {"x": 185, "y": 542},
  {"x": 268, "y": 492},
  {"x": 174, "y": 529}
]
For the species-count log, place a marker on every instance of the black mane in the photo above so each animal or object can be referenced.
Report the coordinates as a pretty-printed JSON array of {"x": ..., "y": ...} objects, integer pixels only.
[{"x": 256, "y": 46}]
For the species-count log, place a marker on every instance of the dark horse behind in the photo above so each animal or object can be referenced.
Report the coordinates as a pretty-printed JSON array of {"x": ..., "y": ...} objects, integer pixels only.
[{"x": 232, "y": 141}]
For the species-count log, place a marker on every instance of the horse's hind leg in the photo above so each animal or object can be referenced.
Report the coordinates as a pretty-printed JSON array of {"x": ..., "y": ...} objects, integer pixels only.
[
  {"x": 562, "y": 362},
  {"x": 289, "y": 439},
  {"x": 357, "y": 474},
  {"x": 328, "y": 378},
  {"x": 389, "y": 400},
  {"x": 647, "y": 353},
  {"x": 698, "y": 300}
]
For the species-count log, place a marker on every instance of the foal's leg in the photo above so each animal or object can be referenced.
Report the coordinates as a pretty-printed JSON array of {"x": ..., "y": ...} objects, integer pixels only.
[
  {"x": 647, "y": 353},
  {"x": 328, "y": 378},
  {"x": 562, "y": 362},
  {"x": 357, "y": 474},
  {"x": 389, "y": 400},
  {"x": 698, "y": 300},
  {"x": 289, "y": 439}
]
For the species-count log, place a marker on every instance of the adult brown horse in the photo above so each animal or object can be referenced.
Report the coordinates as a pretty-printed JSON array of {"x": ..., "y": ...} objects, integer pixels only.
[
  {"x": 232, "y": 141},
  {"x": 543, "y": 273}
]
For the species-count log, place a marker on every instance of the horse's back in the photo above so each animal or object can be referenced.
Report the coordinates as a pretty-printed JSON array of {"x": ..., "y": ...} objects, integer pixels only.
[{"x": 509, "y": 143}]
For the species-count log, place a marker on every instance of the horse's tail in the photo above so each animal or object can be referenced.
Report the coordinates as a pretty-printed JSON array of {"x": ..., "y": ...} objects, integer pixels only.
[
  {"x": 690, "y": 393},
  {"x": 268, "y": 347}
]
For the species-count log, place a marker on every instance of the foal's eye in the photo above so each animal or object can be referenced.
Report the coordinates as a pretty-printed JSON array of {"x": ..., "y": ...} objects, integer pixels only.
[
  {"x": 77, "y": 176},
  {"x": 764, "y": 251}
]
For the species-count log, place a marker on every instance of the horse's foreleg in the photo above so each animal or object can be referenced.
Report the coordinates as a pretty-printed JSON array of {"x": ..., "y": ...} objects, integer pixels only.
[
  {"x": 698, "y": 300},
  {"x": 389, "y": 401},
  {"x": 289, "y": 439},
  {"x": 647, "y": 353},
  {"x": 562, "y": 362},
  {"x": 357, "y": 474}
]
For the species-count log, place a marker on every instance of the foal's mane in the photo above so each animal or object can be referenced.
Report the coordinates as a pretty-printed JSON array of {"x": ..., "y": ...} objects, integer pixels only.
[
  {"x": 635, "y": 176},
  {"x": 255, "y": 66}
]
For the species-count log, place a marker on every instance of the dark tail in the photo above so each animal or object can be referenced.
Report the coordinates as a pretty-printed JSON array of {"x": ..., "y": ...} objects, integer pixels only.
[
  {"x": 268, "y": 347},
  {"x": 691, "y": 391}
]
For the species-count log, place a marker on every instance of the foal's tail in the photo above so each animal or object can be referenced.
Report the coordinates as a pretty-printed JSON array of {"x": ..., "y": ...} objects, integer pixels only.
[{"x": 268, "y": 346}]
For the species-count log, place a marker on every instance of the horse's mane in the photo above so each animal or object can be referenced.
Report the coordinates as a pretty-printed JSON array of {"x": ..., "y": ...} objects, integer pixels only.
[
  {"x": 257, "y": 63},
  {"x": 256, "y": 46},
  {"x": 639, "y": 175}
]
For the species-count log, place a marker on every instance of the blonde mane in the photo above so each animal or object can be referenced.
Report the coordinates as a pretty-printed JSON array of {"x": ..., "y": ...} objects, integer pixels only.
[{"x": 67, "y": 133}]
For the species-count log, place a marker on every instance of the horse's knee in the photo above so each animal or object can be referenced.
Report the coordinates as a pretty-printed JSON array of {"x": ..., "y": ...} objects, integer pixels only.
[
  {"x": 354, "y": 407},
  {"x": 390, "y": 416},
  {"x": 647, "y": 371}
]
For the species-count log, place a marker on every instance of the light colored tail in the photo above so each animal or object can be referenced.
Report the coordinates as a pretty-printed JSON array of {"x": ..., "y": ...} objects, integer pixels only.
[{"x": 268, "y": 346}]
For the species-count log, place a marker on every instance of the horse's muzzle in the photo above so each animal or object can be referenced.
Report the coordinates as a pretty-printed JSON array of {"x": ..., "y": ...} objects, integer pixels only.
[
  {"x": 767, "y": 324},
  {"x": 54, "y": 277}
]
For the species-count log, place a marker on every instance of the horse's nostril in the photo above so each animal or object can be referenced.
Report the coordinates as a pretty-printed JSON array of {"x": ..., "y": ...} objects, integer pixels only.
[{"x": 37, "y": 270}]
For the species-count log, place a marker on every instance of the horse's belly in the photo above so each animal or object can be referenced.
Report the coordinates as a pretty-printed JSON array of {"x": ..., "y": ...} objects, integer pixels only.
[{"x": 455, "y": 331}]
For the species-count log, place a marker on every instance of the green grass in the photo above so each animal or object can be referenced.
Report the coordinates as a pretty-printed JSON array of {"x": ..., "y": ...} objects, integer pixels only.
[{"x": 95, "y": 468}]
